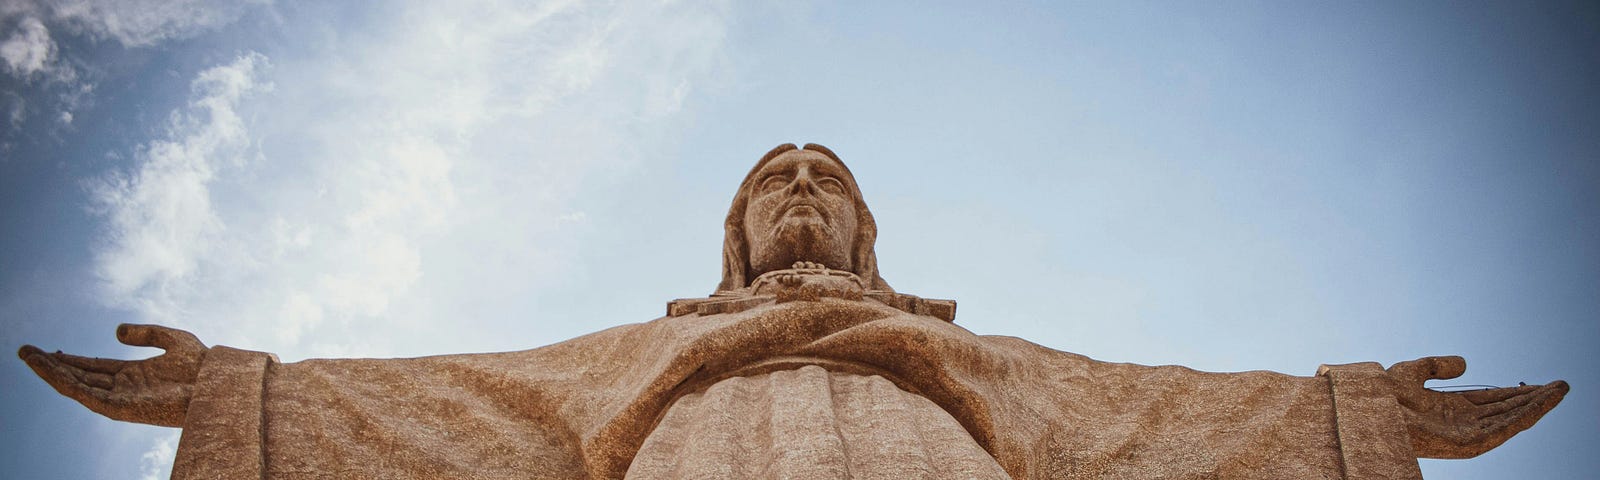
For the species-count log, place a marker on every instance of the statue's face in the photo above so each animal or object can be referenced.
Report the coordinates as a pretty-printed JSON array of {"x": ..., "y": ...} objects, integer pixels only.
[{"x": 800, "y": 210}]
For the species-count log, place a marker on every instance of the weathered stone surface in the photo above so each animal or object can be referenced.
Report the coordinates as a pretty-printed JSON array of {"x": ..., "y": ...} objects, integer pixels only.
[
  {"x": 226, "y": 420},
  {"x": 804, "y": 363},
  {"x": 809, "y": 423},
  {"x": 586, "y": 406},
  {"x": 1372, "y": 434}
]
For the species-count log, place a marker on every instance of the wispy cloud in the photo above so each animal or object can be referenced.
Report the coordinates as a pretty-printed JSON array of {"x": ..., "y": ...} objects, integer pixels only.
[
  {"x": 32, "y": 59},
  {"x": 29, "y": 50},
  {"x": 156, "y": 463},
  {"x": 51, "y": 82},
  {"x": 133, "y": 23},
  {"x": 160, "y": 215},
  {"x": 423, "y": 169}
]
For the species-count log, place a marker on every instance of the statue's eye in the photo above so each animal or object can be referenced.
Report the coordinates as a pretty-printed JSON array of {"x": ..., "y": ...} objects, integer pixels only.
[
  {"x": 774, "y": 182},
  {"x": 831, "y": 185}
]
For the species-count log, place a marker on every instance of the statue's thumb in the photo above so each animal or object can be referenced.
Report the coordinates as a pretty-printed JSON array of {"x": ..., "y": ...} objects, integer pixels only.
[{"x": 1429, "y": 368}]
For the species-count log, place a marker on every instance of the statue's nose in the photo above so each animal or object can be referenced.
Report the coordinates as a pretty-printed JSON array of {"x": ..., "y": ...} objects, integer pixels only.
[{"x": 803, "y": 182}]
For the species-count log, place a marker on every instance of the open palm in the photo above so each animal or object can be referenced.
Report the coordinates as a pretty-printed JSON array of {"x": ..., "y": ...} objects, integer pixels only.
[
  {"x": 155, "y": 390},
  {"x": 1465, "y": 424}
]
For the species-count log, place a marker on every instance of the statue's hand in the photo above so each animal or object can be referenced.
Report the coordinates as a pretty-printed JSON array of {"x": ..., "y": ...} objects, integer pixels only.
[
  {"x": 154, "y": 390},
  {"x": 810, "y": 282},
  {"x": 1465, "y": 424}
]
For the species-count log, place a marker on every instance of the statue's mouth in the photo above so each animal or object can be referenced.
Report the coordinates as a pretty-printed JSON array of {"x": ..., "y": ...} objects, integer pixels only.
[{"x": 803, "y": 209}]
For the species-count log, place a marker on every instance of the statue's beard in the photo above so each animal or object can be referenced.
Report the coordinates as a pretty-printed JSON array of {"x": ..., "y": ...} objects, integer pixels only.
[{"x": 793, "y": 241}]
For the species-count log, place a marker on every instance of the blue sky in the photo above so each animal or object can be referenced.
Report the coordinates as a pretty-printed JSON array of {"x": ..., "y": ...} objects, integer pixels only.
[{"x": 1229, "y": 187}]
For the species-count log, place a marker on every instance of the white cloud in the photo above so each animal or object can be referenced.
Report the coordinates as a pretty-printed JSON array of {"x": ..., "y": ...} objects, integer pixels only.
[
  {"x": 30, "y": 54},
  {"x": 16, "y": 110},
  {"x": 56, "y": 78},
  {"x": 419, "y": 176},
  {"x": 29, "y": 49},
  {"x": 156, "y": 463},
  {"x": 160, "y": 216}
]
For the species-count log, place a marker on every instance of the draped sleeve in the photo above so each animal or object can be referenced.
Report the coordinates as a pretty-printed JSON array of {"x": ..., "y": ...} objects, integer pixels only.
[
  {"x": 541, "y": 413},
  {"x": 584, "y": 407}
]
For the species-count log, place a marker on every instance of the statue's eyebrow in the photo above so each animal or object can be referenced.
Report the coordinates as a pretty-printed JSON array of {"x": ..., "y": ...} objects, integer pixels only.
[
  {"x": 832, "y": 169},
  {"x": 768, "y": 175}
]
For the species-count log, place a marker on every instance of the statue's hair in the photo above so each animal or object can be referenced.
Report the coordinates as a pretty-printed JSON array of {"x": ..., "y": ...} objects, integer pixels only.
[{"x": 736, "y": 270}]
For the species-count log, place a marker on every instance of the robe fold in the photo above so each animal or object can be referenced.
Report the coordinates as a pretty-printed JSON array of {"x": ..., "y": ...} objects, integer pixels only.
[{"x": 830, "y": 389}]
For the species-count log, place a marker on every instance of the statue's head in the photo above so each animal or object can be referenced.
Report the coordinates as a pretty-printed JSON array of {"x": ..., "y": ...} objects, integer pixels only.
[{"x": 798, "y": 204}]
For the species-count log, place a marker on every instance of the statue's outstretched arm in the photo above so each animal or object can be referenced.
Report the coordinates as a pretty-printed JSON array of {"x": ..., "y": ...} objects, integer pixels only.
[
  {"x": 155, "y": 390},
  {"x": 1465, "y": 424}
]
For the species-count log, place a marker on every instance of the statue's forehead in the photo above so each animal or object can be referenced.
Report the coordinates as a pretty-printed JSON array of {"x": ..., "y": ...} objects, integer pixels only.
[{"x": 795, "y": 158}]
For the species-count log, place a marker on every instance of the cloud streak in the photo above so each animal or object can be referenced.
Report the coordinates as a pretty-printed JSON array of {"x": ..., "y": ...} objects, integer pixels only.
[
  {"x": 422, "y": 170},
  {"x": 133, "y": 23},
  {"x": 160, "y": 216},
  {"x": 156, "y": 463}
]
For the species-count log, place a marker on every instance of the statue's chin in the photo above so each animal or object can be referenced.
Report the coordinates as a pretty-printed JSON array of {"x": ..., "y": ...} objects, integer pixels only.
[{"x": 798, "y": 239}]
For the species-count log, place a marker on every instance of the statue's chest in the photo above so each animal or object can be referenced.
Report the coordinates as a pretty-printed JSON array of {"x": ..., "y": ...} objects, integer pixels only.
[{"x": 809, "y": 423}]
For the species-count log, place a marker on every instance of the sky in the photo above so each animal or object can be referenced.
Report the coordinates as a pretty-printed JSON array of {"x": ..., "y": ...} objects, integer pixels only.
[{"x": 1227, "y": 186}]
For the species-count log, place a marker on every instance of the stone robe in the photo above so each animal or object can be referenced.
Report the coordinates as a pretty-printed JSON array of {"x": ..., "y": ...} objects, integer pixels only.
[{"x": 803, "y": 389}]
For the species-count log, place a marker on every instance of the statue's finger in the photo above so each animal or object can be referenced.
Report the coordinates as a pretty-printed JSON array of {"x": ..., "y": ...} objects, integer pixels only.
[
  {"x": 1491, "y": 409},
  {"x": 67, "y": 380},
  {"x": 1555, "y": 390},
  {"x": 1495, "y": 430},
  {"x": 98, "y": 365},
  {"x": 28, "y": 351},
  {"x": 54, "y": 372},
  {"x": 1483, "y": 397},
  {"x": 98, "y": 380},
  {"x": 166, "y": 338}
]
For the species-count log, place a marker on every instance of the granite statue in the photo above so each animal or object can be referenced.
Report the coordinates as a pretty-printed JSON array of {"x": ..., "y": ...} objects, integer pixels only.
[{"x": 804, "y": 363}]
